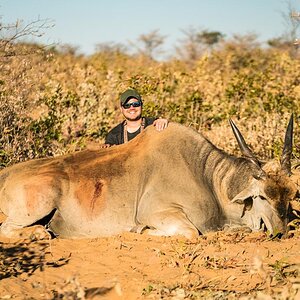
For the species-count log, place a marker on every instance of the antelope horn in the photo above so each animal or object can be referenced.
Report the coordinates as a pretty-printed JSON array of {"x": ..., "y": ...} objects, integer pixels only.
[
  {"x": 285, "y": 159},
  {"x": 242, "y": 144}
]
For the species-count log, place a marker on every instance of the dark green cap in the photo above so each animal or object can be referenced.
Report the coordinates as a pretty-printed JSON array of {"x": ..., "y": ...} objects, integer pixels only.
[{"x": 128, "y": 94}]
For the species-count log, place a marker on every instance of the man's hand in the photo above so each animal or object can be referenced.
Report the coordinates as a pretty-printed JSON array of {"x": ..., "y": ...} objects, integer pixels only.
[
  {"x": 160, "y": 124},
  {"x": 96, "y": 146},
  {"x": 106, "y": 145}
]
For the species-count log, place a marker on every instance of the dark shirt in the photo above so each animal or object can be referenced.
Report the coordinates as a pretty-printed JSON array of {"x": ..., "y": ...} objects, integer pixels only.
[{"x": 116, "y": 135}]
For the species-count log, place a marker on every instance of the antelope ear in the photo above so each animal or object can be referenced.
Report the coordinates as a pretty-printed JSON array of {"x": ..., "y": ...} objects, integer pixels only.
[{"x": 251, "y": 191}]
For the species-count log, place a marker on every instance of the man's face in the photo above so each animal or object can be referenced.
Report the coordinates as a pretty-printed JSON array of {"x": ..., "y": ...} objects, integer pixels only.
[{"x": 132, "y": 113}]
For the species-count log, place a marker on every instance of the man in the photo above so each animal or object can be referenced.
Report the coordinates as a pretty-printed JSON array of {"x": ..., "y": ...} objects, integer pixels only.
[{"x": 131, "y": 105}]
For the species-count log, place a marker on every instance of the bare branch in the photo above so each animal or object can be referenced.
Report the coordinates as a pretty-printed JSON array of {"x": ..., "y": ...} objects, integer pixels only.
[{"x": 11, "y": 33}]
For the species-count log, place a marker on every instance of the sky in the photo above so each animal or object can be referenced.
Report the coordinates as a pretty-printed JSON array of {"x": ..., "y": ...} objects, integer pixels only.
[{"x": 86, "y": 23}]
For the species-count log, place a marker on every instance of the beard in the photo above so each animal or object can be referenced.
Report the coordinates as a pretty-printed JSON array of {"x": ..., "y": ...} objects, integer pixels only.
[{"x": 136, "y": 118}]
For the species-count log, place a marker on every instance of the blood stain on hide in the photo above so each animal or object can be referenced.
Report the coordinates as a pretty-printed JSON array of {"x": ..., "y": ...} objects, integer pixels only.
[
  {"x": 90, "y": 195},
  {"x": 97, "y": 193}
]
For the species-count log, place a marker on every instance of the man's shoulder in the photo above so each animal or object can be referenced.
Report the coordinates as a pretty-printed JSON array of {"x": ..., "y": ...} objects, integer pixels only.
[
  {"x": 114, "y": 136},
  {"x": 117, "y": 129},
  {"x": 149, "y": 121}
]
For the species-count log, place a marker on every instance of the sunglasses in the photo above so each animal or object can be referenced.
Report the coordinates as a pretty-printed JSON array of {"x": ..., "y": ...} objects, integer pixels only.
[{"x": 133, "y": 104}]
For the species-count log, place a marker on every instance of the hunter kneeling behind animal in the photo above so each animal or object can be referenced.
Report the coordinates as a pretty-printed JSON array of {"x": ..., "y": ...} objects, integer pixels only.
[{"x": 131, "y": 106}]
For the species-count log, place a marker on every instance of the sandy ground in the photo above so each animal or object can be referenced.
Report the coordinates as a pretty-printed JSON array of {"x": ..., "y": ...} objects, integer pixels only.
[{"x": 222, "y": 265}]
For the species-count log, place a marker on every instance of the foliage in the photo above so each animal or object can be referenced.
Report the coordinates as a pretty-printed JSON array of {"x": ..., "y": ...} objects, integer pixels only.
[{"x": 53, "y": 102}]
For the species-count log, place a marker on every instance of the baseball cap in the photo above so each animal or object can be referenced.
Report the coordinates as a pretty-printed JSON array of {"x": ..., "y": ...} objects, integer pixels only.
[{"x": 130, "y": 93}]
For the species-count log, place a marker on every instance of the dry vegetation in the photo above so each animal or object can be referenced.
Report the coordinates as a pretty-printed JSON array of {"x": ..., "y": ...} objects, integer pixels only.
[{"x": 54, "y": 102}]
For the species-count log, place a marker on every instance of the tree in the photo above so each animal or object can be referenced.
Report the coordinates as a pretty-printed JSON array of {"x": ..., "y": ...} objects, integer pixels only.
[
  {"x": 110, "y": 47},
  {"x": 292, "y": 22},
  {"x": 150, "y": 44},
  {"x": 279, "y": 43},
  {"x": 210, "y": 38},
  {"x": 296, "y": 16},
  {"x": 196, "y": 42},
  {"x": 18, "y": 31}
]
